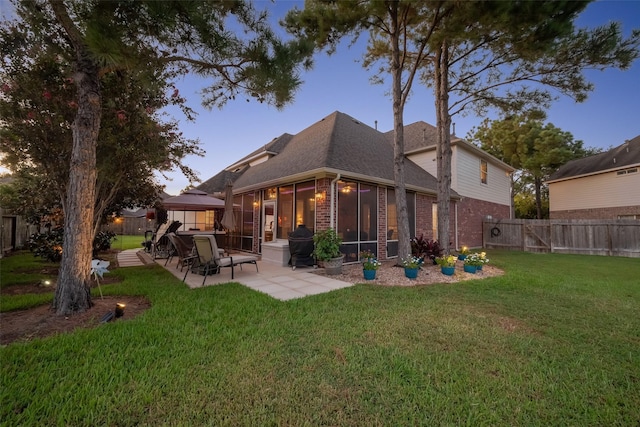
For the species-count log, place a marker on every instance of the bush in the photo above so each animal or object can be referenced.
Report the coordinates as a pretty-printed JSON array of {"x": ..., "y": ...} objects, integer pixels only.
[
  {"x": 102, "y": 242},
  {"x": 47, "y": 245},
  {"x": 425, "y": 248}
]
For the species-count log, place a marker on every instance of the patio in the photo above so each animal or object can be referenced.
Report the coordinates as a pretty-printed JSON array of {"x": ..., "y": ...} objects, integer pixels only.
[{"x": 279, "y": 282}]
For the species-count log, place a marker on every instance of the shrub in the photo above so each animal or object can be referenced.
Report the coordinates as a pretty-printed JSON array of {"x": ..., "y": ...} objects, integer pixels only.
[
  {"x": 425, "y": 248},
  {"x": 47, "y": 245},
  {"x": 102, "y": 242}
]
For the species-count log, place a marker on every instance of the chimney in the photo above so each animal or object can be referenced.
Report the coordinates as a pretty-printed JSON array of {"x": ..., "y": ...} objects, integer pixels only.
[{"x": 376, "y": 124}]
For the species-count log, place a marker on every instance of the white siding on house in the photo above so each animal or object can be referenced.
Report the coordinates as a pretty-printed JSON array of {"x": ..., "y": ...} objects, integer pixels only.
[
  {"x": 465, "y": 178},
  {"x": 595, "y": 191},
  {"x": 467, "y": 169},
  {"x": 426, "y": 160}
]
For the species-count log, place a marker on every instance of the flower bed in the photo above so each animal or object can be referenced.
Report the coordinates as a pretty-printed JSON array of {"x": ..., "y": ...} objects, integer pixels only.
[{"x": 391, "y": 275}]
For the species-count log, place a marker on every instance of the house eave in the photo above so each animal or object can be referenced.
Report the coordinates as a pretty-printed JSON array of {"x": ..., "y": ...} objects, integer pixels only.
[
  {"x": 331, "y": 173},
  {"x": 594, "y": 173}
]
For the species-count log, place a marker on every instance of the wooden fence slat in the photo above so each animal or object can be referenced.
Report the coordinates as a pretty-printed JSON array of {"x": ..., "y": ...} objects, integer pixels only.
[{"x": 597, "y": 237}]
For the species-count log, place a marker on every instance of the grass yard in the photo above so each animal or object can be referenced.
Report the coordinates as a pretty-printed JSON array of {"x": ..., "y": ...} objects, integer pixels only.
[
  {"x": 123, "y": 242},
  {"x": 555, "y": 341}
]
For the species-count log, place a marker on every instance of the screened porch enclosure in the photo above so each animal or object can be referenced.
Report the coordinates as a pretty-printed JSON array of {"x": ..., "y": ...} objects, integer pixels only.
[{"x": 357, "y": 216}]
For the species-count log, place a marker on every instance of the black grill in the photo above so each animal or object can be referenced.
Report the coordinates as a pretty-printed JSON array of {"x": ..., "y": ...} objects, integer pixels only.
[{"x": 301, "y": 247}]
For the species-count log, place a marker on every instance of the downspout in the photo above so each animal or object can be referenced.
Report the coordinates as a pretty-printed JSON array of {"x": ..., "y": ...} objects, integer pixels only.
[
  {"x": 333, "y": 196},
  {"x": 455, "y": 224}
]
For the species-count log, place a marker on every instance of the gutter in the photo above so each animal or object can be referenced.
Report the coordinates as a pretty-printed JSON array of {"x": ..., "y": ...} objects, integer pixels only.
[{"x": 333, "y": 196}]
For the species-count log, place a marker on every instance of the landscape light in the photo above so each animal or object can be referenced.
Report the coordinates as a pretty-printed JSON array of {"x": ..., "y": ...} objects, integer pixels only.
[{"x": 120, "y": 309}]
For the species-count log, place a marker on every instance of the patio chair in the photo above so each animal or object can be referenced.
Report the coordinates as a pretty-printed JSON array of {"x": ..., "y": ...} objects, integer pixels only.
[
  {"x": 181, "y": 250},
  {"x": 210, "y": 261},
  {"x": 162, "y": 246}
]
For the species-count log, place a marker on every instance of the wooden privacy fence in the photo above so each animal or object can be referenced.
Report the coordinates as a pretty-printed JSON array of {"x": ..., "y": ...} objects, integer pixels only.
[{"x": 591, "y": 237}]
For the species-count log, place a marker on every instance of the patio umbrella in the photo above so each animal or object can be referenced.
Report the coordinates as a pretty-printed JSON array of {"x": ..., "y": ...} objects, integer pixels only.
[
  {"x": 192, "y": 200},
  {"x": 228, "y": 219}
]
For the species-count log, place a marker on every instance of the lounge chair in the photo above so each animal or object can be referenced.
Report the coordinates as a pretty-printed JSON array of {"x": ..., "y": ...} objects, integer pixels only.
[
  {"x": 210, "y": 260},
  {"x": 181, "y": 250}
]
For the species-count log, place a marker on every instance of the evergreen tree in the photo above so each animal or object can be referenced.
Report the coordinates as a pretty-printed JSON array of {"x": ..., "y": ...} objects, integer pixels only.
[{"x": 101, "y": 38}]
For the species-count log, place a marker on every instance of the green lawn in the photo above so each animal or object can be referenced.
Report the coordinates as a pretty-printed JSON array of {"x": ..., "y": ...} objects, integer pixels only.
[
  {"x": 555, "y": 341},
  {"x": 127, "y": 242}
]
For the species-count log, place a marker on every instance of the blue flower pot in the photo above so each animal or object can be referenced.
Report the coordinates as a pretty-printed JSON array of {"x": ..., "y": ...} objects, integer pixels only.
[
  {"x": 478, "y": 268},
  {"x": 369, "y": 274},
  {"x": 470, "y": 269},
  {"x": 462, "y": 257},
  {"x": 448, "y": 270},
  {"x": 411, "y": 273}
]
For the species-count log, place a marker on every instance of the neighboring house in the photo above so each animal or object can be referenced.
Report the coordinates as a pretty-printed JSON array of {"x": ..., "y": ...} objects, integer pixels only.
[
  {"x": 602, "y": 186},
  {"x": 339, "y": 173}
]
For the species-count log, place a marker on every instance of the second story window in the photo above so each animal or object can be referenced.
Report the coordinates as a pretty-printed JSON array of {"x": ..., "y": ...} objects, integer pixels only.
[{"x": 483, "y": 171}]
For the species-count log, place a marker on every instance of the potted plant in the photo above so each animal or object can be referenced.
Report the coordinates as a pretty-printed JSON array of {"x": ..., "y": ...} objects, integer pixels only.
[
  {"x": 411, "y": 265},
  {"x": 447, "y": 264},
  {"x": 369, "y": 264},
  {"x": 483, "y": 260},
  {"x": 463, "y": 253},
  {"x": 474, "y": 262},
  {"x": 327, "y": 249}
]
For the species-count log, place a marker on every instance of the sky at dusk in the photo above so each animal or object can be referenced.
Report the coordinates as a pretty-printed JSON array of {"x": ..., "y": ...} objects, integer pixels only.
[{"x": 338, "y": 82}]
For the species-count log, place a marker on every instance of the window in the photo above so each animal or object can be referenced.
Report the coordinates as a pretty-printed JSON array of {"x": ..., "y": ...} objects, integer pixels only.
[
  {"x": 285, "y": 211},
  {"x": 627, "y": 171},
  {"x": 357, "y": 218},
  {"x": 484, "y": 168},
  {"x": 296, "y": 205},
  {"x": 628, "y": 216},
  {"x": 306, "y": 204}
]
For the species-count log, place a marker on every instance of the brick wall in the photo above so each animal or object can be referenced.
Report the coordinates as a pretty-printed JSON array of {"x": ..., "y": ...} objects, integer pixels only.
[
  {"x": 596, "y": 213},
  {"x": 471, "y": 212},
  {"x": 323, "y": 205}
]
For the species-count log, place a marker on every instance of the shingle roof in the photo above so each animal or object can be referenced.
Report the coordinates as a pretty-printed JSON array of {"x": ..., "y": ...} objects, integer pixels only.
[
  {"x": 625, "y": 155},
  {"x": 419, "y": 135},
  {"x": 217, "y": 183},
  {"x": 336, "y": 144}
]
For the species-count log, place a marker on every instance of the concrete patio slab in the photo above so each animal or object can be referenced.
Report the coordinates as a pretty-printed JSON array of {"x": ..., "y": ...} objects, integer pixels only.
[{"x": 279, "y": 282}]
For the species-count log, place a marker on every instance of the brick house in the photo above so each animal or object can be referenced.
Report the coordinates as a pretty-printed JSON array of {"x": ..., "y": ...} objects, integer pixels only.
[
  {"x": 338, "y": 173},
  {"x": 602, "y": 186}
]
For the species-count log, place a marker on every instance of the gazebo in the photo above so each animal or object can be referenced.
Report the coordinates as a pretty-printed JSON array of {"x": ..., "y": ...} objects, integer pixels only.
[{"x": 195, "y": 209}]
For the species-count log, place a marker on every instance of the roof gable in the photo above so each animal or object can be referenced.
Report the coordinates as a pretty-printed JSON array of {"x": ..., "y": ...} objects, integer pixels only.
[{"x": 622, "y": 156}]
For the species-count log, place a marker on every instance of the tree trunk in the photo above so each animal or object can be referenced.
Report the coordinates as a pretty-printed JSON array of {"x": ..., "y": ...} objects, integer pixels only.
[
  {"x": 443, "y": 150},
  {"x": 538, "y": 186},
  {"x": 73, "y": 292},
  {"x": 398, "y": 141}
]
